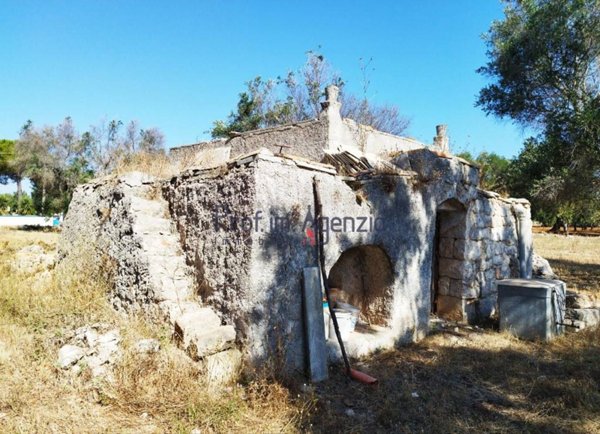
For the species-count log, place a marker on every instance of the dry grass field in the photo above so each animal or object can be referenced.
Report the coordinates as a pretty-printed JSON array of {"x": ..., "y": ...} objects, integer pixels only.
[
  {"x": 576, "y": 259},
  {"x": 459, "y": 379},
  {"x": 156, "y": 393}
]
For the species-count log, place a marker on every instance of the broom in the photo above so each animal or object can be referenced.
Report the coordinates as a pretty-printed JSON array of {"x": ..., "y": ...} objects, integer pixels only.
[{"x": 352, "y": 373}]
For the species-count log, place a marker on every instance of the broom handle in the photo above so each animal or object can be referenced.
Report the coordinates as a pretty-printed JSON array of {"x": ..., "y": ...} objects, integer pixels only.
[{"x": 321, "y": 258}]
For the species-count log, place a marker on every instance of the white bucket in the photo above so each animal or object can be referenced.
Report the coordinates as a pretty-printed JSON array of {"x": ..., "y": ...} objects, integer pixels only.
[
  {"x": 346, "y": 322},
  {"x": 349, "y": 308}
]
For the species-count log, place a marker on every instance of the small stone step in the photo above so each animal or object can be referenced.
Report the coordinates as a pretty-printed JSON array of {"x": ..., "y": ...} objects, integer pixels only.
[
  {"x": 580, "y": 300},
  {"x": 573, "y": 324},
  {"x": 223, "y": 367},
  {"x": 173, "y": 308},
  {"x": 152, "y": 208},
  {"x": 173, "y": 290},
  {"x": 194, "y": 322},
  {"x": 174, "y": 267},
  {"x": 168, "y": 281},
  {"x": 146, "y": 224},
  {"x": 209, "y": 342},
  {"x": 197, "y": 330},
  {"x": 161, "y": 245}
]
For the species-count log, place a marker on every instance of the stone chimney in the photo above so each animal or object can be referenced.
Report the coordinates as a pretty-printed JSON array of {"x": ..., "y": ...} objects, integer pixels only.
[
  {"x": 440, "y": 141},
  {"x": 337, "y": 137},
  {"x": 331, "y": 105}
]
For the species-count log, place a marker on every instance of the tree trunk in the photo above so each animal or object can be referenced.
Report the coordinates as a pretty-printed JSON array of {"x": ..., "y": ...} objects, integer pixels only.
[
  {"x": 19, "y": 182},
  {"x": 43, "y": 199}
]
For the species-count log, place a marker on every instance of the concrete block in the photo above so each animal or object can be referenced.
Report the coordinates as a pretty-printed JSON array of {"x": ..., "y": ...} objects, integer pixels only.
[{"x": 531, "y": 309}]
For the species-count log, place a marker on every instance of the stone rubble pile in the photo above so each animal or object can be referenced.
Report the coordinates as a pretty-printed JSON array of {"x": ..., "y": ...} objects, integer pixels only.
[
  {"x": 93, "y": 346},
  {"x": 98, "y": 347},
  {"x": 33, "y": 259},
  {"x": 583, "y": 310}
]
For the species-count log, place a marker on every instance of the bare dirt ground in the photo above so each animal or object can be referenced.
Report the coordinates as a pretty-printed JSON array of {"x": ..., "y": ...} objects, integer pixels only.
[{"x": 459, "y": 379}]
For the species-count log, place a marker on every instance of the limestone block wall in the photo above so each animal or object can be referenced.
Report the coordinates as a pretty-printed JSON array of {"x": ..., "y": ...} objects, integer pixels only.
[
  {"x": 487, "y": 251},
  {"x": 500, "y": 227},
  {"x": 455, "y": 269},
  {"x": 482, "y": 236}
]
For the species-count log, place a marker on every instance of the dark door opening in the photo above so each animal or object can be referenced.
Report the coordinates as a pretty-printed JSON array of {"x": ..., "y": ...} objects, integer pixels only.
[
  {"x": 448, "y": 260},
  {"x": 435, "y": 272}
]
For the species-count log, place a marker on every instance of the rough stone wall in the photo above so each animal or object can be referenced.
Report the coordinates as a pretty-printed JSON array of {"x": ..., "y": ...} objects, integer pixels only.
[
  {"x": 207, "y": 207},
  {"x": 98, "y": 232},
  {"x": 450, "y": 187},
  {"x": 305, "y": 139},
  {"x": 495, "y": 237},
  {"x": 201, "y": 155},
  {"x": 253, "y": 274},
  {"x": 493, "y": 242},
  {"x": 242, "y": 227}
]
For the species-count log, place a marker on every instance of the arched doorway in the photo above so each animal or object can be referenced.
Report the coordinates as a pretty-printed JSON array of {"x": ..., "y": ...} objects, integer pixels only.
[
  {"x": 448, "y": 259},
  {"x": 365, "y": 276}
]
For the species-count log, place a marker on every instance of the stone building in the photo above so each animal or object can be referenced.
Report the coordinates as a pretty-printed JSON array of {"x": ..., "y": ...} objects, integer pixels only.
[{"x": 219, "y": 249}]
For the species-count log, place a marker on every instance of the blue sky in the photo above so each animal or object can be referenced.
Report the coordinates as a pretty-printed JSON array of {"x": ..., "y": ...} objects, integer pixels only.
[{"x": 180, "y": 65}]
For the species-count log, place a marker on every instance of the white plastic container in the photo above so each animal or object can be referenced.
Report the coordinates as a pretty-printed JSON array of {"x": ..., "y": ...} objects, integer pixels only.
[
  {"x": 349, "y": 308},
  {"x": 346, "y": 322}
]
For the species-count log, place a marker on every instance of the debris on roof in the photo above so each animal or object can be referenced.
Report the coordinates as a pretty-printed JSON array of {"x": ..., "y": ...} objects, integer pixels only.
[
  {"x": 357, "y": 166},
  {"x": 349, "y": 164}
]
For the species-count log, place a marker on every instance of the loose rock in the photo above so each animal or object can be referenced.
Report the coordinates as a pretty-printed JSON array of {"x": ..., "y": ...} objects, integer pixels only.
[
  {"x": 68, "y": 355},
  {"x": 32, "y": 259},
  {"x": 541, "y": 268},
  {"x": 147, "y": 346},
  {"x": 98, "y": 351}
]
